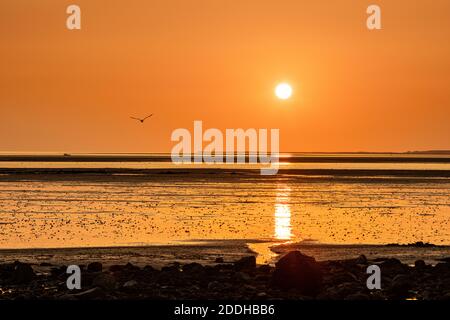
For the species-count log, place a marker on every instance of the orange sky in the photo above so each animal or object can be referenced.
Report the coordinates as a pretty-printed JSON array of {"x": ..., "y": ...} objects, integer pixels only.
[{"x": 218, "y": 61}]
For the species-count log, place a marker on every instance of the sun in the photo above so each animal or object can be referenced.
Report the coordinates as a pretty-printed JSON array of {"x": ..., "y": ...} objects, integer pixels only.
[{"x": 283, "y": 91}]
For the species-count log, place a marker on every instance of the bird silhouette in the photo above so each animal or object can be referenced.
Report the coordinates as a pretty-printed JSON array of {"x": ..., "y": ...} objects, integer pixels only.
[{"x": 143, "y": 119}]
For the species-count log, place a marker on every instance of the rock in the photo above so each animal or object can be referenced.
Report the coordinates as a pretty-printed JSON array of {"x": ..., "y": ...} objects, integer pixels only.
[
  {"x": 93, "y": 293},
  {"x": 262, "y": 295},
  {"x": 129, "y": 268},
  {"x": 262, "y": 277},
  {"x": 400, "y": 285},
  {"x": 420, "y": 264},
  {"x": 242, "y": 277},
  {"x": 149, "y": 269},
  {"x": 215, "y": 286},
  {"x": 87, "y": 278},
  {"x": 130, "y": 284},
  {"x": 175, "y": 264},
  {"x": 171, "y": 269},
  {"x": 445, "y": 297},
  {"x": 222, "y": 267},
  {"x": 168, "y": 277},
  {"x": 392, "y": 267},
  {"x": 219, "y": 260},
  {"x": 265, "y": 268},
  {"x": 58, "y": 271},
  {"x": 445, "y": 285},
  {"x": 116, "y": 268},
  {"x": 427, "y": 295},
  {"x": 210, "y": 271},
  {"x": 357, "y": 296},
  {"x": 67, "y": 296},
  {"x": 94, "y": 267},
  {"x": 441, "y": 269},
  {"x": 195, "y": 288},
  {"x": 298, "y": 271},
  {"x": 193, "y": 267},
  {"x": 339, "y": 277},
  {"x": 361, "y": 260},
  {"x": 248, "y": 287},
  {"x": 345, "y": 289},
  {"x": 45, "y": 264},
  {"x": 245, "y": 264},
  {"x": 22, "y": 273},
  {"x": 105, "y": 281}
]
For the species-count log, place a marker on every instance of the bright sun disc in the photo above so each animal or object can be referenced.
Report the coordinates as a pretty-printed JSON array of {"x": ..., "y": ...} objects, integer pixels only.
[{"x": 283, "y": 91}]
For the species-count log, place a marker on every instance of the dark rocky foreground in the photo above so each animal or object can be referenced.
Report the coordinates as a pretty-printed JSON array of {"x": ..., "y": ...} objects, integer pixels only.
[{"x": 295, "y": 276}]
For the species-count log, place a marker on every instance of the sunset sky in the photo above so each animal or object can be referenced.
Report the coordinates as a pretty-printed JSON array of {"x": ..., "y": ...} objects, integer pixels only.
[{"x": 219, "y": 61}]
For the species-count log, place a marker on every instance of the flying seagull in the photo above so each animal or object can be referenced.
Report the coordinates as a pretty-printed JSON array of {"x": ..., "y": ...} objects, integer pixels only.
[{"x": 143, "y": 119}]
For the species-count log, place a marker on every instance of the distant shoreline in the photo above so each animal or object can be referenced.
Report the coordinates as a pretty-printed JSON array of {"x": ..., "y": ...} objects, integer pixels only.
[
  {"x": 427, "y": 152},
  {"x": 409, "y": 157}
]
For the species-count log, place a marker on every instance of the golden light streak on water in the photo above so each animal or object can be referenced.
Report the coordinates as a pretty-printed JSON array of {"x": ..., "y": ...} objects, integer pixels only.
[{"x": 282, "y": 214}]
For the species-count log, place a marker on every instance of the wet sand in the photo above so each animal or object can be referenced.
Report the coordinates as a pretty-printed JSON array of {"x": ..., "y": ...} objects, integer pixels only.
[{"x": 173, "y": 212}]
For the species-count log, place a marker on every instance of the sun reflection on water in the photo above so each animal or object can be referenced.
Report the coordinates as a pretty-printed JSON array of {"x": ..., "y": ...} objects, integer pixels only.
[{"x": 283, "y": 228}]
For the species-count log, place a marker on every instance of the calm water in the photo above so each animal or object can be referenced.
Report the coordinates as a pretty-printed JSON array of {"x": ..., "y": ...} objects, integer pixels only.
[{"x": 56, "y": 211}]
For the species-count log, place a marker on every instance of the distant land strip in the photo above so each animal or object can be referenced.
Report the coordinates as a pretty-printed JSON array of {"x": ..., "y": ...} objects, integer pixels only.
[{"x": 396, "y": 158}]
